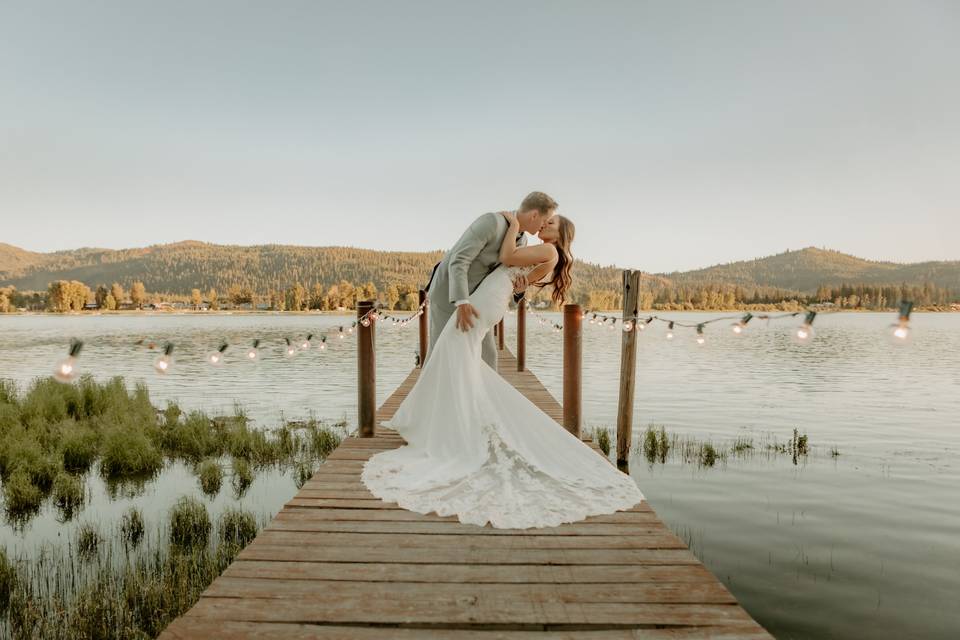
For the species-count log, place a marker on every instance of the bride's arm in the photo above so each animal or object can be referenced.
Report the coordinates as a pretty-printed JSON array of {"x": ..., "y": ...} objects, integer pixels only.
[{"x": 513, "y": 256}]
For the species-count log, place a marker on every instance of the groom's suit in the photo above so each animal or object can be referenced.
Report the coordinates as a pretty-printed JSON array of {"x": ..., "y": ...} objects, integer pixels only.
[{"x": 461, "y": 271}]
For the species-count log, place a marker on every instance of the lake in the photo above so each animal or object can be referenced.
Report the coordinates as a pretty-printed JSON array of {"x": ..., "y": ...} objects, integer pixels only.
[{"x": 860, "y": 537}]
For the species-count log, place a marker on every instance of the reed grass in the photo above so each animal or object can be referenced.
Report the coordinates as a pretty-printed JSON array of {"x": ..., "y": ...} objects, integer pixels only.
[
  {"x": 602, "y": 437},
  {"x": 88, "y": 540},
  {"x": 132, "y": 527},
  {"x": 659, "y": 446},
  {"x": 189, "y": 523},
  {"x": 211, "y": 477},
  {"x": 68, "y": 493}
]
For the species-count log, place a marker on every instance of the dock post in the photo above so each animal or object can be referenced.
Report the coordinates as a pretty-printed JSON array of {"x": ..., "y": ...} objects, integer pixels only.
[
  {"x": 500, "y": 337},
  {"x": 424, "y": 340},
  {"x": 572, "y": 366},
  {"x": 366, "y": 372},
  {"x": 628, "y": 366},
  {"x": 522, "y": 334}
]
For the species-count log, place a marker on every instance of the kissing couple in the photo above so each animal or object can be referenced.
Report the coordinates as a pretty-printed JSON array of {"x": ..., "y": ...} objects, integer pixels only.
[{"x": 475, "y": 446}]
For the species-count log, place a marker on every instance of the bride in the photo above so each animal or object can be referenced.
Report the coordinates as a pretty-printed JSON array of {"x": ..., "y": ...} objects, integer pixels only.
[{"x": 476, "y": 447}]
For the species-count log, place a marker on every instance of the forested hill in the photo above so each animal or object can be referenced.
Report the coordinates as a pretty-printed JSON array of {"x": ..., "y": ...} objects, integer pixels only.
[
  {"x": 807, "y": 269},
  {"x": 180, "y": 267},
  {"x": 177, "y": 268}
]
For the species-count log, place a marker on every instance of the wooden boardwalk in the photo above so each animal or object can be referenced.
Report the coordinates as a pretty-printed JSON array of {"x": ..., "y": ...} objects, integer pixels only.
[{"x": 337, "y": 562}]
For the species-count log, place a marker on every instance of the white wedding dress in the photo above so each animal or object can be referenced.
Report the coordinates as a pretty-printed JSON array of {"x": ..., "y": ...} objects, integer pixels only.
[{"x": 478, "y": 449}]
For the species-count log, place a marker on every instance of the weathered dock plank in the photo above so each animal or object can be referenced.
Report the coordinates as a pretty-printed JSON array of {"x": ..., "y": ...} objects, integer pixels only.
[{"x": 337, "y": 562}]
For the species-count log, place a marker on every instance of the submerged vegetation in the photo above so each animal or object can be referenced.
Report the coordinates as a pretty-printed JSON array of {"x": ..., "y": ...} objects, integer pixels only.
[
  {"x": 659, "y": 446},
  {"x": 53, "y": 434},
  {"x": 101, "y": 588}
]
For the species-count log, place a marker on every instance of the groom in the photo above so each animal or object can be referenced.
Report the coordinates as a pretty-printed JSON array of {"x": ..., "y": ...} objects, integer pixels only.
[{"x": 471, "y": 259}]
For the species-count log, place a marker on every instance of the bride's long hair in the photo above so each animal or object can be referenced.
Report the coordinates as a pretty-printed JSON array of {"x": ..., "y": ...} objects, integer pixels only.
[{"x": 561, "y": 272}]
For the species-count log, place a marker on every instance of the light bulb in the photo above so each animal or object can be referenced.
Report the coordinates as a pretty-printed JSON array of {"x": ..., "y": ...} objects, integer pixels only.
[
  {"x": 252, "y": 353},
  {"x": 669, "y": 335},
  {"x": 323, "y": 343},
  {"x": 737, "y": 328},
  {"x": 741, "y": 326},
  {"x": 899, "y": 333},
  {"x": 805, "y": 333},
  {"x": 701, "y": 339},
  {"x": 164, "y": 362},
  {"x": 373, "y": 316},
  {"x": 628, "y": 326},
  {"x": 350, "y": 330},
  {"x": 613, "y": 325},
  {"x": 290, "y": 350},
  {"x": 215, "y": 358},
  {"x": 66, "y": 370},
  {"x": 306, "y": 342},
  {"x": 365, "y": 322},
  {"x": 340, "y": 335}
]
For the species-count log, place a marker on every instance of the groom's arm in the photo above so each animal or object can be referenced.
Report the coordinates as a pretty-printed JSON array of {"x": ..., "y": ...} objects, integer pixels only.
[{"x": 471, "y": 243}]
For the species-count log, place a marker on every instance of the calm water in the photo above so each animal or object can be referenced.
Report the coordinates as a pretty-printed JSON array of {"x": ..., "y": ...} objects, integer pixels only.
[{"x": 866, "y": 544}]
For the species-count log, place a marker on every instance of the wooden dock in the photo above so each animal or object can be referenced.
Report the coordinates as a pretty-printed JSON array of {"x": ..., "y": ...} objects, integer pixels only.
[{"x": 337, "y": 562}]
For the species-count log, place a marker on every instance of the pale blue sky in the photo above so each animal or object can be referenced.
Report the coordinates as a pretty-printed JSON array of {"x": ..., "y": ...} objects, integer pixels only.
[{"x": 675, "y": 134}]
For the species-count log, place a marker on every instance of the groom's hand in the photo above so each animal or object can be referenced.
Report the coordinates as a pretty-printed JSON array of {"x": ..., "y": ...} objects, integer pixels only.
[
  {"x": 465, "y": 315},
  {"x": 520, "y": 285}
]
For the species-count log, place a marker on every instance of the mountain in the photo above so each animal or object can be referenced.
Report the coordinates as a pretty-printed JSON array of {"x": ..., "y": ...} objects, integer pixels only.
[
  {"x": 807, "y": 269},
  {"x": 177, "y": 268}
]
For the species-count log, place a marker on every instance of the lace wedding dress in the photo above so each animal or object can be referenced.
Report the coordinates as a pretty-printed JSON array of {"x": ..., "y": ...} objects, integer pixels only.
[{"x": 478, "y": 449}]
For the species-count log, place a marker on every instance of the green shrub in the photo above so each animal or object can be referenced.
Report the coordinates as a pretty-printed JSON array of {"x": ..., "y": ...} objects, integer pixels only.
[
  {"x": 189, "y": 523},
  {"x": 323, "y": 440},
  {"x": 237, "y": 527},
  {"x": 211, "y": 477}
]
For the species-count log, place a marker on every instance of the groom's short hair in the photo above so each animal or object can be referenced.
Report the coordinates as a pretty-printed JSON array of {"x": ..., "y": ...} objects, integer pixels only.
[{"x": 540, "y": 201}]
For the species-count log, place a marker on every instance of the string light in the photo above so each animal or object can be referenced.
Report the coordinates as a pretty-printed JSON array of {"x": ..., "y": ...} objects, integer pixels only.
[
  {"x": 323, "y": 343},
  {"x": 900, "y": 333},
  {"x": 340, "y": 333},
  {"x": 741, "y": 326},
  {"x": 291, "y": 350},
  {"x": 165, "y": 361},
  {"x": 66, "y": 370},
  {"x": 215, "y": 358},
  {"x": 628, "y": 326},
  {"x": 670, "y": 331},
  {"x": 700, "y": 337},
  {"x": 365, "y": 322},
  {"x": 252, "y": 353},
  {"x": 804, "y": 333},
  {"x": 306, "y": 342}
]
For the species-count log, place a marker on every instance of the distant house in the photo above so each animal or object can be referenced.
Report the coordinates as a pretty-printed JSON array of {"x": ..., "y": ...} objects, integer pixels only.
[
  {"x": 161, "y": 306},
  {"x": 90, "y": 306}
]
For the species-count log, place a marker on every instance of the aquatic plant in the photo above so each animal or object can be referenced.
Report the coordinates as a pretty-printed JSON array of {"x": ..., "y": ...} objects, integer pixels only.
[
  {"x": 237, "y": 527},
  {"x": 189, "y": 523},
  {"x": 129, "y": 453},
  {"x": 8, "y": 577},
  {"x": 656, "y": 445},
  {"x": 132, "y": 527},
  {"x": 79, "y": 450},
  {"x": 242, "y": 477},
  {"x": 68, "y": 493},
  {"x": 602, "y": 437},
  {"x": 302, "y": 472},
  {"x": 211, "y": 477},
  {"x": 20, "y": 495},
  {"x": 88, "y": 540}
]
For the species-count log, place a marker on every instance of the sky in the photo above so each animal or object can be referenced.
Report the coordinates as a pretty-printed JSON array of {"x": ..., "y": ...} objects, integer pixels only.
[{"x": 675, "y": 134}]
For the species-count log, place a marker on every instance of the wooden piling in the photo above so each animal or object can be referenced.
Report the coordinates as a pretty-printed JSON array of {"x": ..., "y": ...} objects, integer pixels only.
[
  {"x": 628, "y": 365},
  {"x": 500, "y": 337},
  {"x": 522, "y": 334},
  {"x": 366, "y": 372},
  {"x": 572, "y": 367},
  {"x": 424, "y": 338}
]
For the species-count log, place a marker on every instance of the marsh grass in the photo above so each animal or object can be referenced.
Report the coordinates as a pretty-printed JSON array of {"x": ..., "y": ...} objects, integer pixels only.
[
  {"x": 189, "y": 523},
  {"x": 68, "y": 494},
  {"x": 211, "y": 477},
  {"x": 88, "y": 541},
  {"x": 602, "y": 437},
  {"x": 52, "y": 429},
  {"x": 113, "y": 592},
  {"x": 132, "y": 527},
  {"x": 659, "y": 446}
]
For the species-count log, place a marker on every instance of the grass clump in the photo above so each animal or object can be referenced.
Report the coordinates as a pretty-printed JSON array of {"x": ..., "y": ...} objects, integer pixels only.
[
  {"x": 302, "y": 472},
  {"x": 189, "y": 523},
  {"x": 211, "y": 477},
  {"x": 132, "y": 527},
  {"x": 68, "y": 493},
  {"x": 88, "y": 540},
  {"x": 129, "y": 454},
  {"x": 602, "y": 438},
  {"x": 20, "y": 495},
  {"x": 79, "y": 450},
  {"x": 656, "y": 444},
  {"x": 242, "y": 477},
  {"x": 237, "y": 527}
]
